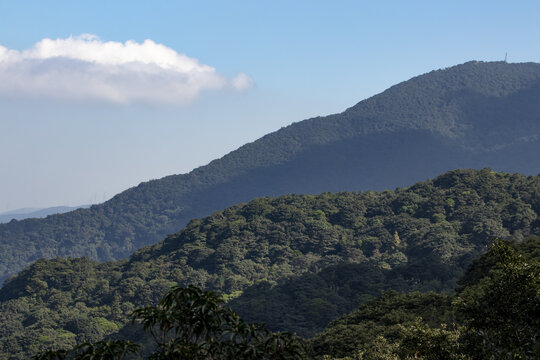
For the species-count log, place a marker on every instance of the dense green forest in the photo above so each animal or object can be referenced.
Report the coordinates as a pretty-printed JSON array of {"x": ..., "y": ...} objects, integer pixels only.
[
  {"x": 189, "y": 323},
  {"x": 493, "y": 314},
  {"x": 294, "y": 262},
  {"x": 472, "y": 115}
]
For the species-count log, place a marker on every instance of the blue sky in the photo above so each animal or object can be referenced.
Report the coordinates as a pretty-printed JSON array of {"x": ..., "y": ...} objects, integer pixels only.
[{"x": 70, "y": 144}]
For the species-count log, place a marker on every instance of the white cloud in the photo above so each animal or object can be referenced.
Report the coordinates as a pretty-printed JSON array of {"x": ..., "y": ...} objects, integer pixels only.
[
  {"x": 84, "y": 67},
  {"x": 242, "y": 82}
]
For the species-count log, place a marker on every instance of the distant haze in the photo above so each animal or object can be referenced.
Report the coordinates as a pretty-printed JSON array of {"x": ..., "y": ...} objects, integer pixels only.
[{"x": 20, "y": 214}]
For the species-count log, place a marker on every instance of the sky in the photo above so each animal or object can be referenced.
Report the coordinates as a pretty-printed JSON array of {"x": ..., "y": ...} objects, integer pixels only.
[{"x": 98, "y": 96}]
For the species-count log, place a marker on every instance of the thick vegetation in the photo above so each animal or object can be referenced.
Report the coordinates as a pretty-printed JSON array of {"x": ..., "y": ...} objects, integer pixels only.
[
  {"x": 293, "y": 262},
  {"x": 495, "y": 314},
  {"x": 189, "y": 323},
  {"x": 472, "y": 115}
]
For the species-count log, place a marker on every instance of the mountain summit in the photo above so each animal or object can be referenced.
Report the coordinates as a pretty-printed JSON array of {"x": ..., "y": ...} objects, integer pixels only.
[{"x": 472, "y": 115}]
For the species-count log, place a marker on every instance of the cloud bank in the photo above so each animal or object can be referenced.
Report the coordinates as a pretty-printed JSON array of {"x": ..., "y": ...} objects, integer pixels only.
[{"x": 86, "y": 68}]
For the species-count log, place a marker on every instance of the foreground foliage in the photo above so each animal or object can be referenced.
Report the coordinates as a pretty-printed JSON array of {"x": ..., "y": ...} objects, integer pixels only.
[
  {"x": 502, "y": 311},
  {"x": 495, "y": 316},
  {"x": 102, "y": 350},
  {"x": 189, "y": 323}
]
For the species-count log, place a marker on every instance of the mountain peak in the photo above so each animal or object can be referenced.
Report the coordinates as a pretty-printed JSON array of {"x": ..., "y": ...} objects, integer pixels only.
[{"x": 461, "y": 101}]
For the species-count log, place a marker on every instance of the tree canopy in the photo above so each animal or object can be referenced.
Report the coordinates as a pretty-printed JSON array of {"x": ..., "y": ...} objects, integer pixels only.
[
  {"x": 496, "y": 315},
  {"x": 189, "y": 323}
]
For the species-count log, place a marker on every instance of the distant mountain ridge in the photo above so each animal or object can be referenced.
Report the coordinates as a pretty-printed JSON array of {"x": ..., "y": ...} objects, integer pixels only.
[
  {"x": 26, "y": 213},
  {"x": 473, "y": 115}
]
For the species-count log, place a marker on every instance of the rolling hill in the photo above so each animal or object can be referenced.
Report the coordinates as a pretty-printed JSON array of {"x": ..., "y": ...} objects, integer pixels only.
[{"x": 472, "y": 115}]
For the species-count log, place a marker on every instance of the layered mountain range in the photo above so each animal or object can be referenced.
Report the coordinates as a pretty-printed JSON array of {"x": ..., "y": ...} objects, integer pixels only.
[
  {"x": 473, "y": 115},
  {"x": 294, "y": 262}
]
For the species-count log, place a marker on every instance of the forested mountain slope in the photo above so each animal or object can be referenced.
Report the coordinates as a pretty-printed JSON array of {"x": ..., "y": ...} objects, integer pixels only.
[
  {"x": 493, "y": 314},
  {"x": 294, "y": 262},
  {"x": 473, "y": 115}
]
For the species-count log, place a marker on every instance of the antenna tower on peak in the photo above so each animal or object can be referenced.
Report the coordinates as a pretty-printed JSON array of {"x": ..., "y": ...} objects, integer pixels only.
[{"x": 505, "y": 57}]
